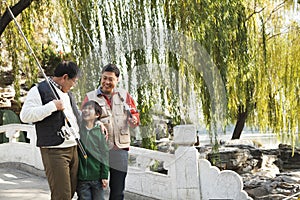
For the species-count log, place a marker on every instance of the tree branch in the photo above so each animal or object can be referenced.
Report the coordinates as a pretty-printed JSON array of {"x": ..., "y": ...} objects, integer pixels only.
[
  {"x": 255, "y": 12},
  {"x": 279, "y": 6},
  {"x": 275, "y": 35},
  {"x": 16, "y": 10}
]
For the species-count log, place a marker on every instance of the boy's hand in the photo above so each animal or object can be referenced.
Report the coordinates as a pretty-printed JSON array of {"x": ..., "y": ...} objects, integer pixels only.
[{"x": 104, "y": 183}]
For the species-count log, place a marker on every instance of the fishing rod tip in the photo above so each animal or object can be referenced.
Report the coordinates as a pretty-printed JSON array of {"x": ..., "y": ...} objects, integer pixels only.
[{"x": 5, "y": 2}]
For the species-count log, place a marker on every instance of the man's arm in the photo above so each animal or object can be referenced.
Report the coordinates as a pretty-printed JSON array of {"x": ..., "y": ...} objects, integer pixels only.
[
  {"x": 33, "y": 110},
  {"x": 86, "y": 99}
]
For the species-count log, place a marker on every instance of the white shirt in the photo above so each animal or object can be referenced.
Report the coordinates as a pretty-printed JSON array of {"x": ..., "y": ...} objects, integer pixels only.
[{"x": 33, "y": 110}]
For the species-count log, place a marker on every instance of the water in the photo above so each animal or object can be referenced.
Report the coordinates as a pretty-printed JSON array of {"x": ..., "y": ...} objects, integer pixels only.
[{"x": 266, "y": 140}]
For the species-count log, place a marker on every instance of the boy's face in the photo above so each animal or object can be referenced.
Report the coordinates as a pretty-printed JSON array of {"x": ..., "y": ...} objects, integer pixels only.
[{"x": 89, "y": 114}]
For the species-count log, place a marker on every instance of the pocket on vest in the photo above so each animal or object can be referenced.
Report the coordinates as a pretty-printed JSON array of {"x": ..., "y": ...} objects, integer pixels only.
[{"x": 124, "y": 137}]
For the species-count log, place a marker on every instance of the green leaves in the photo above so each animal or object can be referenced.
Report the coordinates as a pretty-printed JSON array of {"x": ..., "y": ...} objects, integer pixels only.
[{"x": 254, "y": 49}]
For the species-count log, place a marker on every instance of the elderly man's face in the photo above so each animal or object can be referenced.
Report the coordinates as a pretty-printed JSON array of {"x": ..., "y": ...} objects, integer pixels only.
[{"x": 68, "y": 83}]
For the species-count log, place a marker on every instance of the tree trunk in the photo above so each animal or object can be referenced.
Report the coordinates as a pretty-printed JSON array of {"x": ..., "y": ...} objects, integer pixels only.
[
  {"x": 16, "y": 10},
  {"x": 239, "y": 126}
]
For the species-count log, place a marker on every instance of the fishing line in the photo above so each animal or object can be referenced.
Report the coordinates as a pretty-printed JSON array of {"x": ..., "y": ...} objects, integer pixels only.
[{"x": 83, "y": 27}]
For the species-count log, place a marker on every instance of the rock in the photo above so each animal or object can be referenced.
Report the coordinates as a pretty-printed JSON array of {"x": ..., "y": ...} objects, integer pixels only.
[
  {"x": 6, "y": 96},
  {"x": 7, "y": 78},
  {"x": 258, "y": 191},
  {"x": 244, "y": 142},
  {"x": 286, "y": 159},
  {"x": 271, "y": 197},
  {"x": 166, "y": 147},
  {"x": 268, "y": 174}
]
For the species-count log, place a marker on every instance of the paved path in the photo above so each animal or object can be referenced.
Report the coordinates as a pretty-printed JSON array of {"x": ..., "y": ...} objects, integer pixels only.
[
  {"x": 17, "y": 184},
  {"x": 22, "y": 184},
  {"x": 20, "y": 181}
]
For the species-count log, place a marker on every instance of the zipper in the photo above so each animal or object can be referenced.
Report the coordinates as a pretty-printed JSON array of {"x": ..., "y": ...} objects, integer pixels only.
[{"x": 86, "y": 163}]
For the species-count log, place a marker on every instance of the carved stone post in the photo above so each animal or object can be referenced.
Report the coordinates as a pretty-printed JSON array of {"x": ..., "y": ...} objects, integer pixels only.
[{"x": 187, "y": 173}]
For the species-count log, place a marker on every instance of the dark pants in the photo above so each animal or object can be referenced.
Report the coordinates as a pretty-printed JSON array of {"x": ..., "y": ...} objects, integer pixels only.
[
  {"x": 118, "y": 162},
  {"x": 61, "y": 166},
  {"x": 88, "y": 190}
]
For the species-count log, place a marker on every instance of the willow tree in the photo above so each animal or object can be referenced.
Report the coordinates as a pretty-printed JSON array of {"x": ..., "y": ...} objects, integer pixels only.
[
  {"x": 227, "y": 30},
  {"x": 277, "y": 69},
  {"x": 241, "y": 37},
  {"x": 220, "y": 28},
  {"x": 267, "y": 101},
  {"x": 129, "y": 34},
  {"x": 34, "y": 20}
]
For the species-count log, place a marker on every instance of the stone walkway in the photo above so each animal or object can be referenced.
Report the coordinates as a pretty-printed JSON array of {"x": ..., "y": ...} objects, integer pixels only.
[
  {"x": 20, "y": 181},
  {"x": 24, "y": 184},
  {"x": 17, "y": 184}
]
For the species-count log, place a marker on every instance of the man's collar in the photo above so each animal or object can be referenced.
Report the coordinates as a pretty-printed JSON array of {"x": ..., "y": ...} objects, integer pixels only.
[
  {"x": 100, "y": 92},
  {"x": 54, "y": 83}
]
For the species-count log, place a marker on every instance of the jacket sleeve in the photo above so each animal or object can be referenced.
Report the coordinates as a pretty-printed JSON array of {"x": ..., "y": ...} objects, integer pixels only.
[
  {"x": 104, "y": 158},
  {"x": 86, "y": 99},
  {"x": 134, "y": 111},
  {"x": 33, "y": 109}
]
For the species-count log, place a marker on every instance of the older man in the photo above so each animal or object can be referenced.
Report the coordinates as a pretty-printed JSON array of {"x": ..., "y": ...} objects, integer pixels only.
[{"x": 48, "y": 105}]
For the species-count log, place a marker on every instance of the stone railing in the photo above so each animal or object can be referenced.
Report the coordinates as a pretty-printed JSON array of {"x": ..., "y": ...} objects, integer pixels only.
[
  {"x": 22, "y": 152},
  {"x": 186, "y": 176}
]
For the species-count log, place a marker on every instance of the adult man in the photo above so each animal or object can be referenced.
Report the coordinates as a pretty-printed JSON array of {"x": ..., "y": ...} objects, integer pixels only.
[
  {"x": 48, "y": 108},
  {"x": 118, "y": 113}
]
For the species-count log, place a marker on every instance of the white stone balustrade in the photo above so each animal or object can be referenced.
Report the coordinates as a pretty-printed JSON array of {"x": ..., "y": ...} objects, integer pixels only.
[
  {"x": 22, "y": 152},
  {"x": 187, "y": 172},
  {"x": 188, "y": 177},
  {"x": 216, "y": 184},
  {"x": 141, "y": 180}
]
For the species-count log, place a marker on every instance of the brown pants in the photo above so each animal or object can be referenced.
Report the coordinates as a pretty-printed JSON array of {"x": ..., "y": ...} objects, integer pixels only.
[{"x": 61, "y": 166}]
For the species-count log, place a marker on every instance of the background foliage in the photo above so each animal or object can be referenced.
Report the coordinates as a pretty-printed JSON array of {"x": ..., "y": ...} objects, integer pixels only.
[{"x": 253, "y": 44}]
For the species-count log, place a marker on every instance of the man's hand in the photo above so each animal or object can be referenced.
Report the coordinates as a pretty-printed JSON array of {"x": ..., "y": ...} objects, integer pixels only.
[
  {"x": 103, "y": 129},
  {"x": 59, "y": 104},
  {"x": 133, "y": 120}
]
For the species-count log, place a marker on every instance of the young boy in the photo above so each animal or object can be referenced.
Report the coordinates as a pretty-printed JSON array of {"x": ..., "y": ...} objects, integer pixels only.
[{"x": 93, "y": 171}]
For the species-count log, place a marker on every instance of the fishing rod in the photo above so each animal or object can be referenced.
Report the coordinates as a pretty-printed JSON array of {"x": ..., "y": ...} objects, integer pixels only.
[{"x": 65, "y": 132}]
